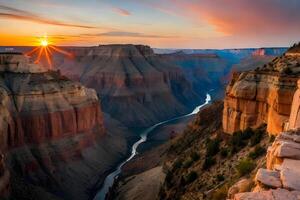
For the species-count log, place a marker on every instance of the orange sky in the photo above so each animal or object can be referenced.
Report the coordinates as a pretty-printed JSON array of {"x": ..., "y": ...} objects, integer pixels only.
[{"x": 164, "y": 23}]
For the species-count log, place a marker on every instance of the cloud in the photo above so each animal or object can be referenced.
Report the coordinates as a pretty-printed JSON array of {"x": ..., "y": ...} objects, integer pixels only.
[
  {"x": 240, "y": 17},
  {"x": 18, "y": 14},
  {"x": 121, "y": 11},
  {"x": 128, "y": 34}
]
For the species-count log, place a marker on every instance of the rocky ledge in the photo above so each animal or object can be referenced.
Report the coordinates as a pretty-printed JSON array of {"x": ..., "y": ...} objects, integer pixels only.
[
  {"x": 281, "y": 178},
  {"x": 264, "y": 95}
]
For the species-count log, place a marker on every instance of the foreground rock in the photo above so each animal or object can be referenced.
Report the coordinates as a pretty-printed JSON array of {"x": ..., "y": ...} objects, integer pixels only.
[
  {"x": 52, "y": 132},
  {"x": 281, "y": 178}
]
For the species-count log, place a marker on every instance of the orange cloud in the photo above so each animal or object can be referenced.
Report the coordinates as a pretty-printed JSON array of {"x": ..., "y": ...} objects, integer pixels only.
[
  {"x": 13, "y": 13},
  {"x": 240, "y": 17}
]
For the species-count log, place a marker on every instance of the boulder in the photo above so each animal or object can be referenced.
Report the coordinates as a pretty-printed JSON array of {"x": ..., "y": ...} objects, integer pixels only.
[
  {"x": 278, "y": 194},
  {"x": 243, "y": 185},
  {"x": 268, "y": 178}
]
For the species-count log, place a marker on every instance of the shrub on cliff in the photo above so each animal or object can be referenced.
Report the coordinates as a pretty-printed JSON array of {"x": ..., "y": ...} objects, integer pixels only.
[
  {"x": 195, "y": 156},
  {"x": 245, "y": 167},
  {"x": 212, "y": 147},
  {"x": 224, "y": 152},
  {"x": 256, "y": 137},
  {"x": 187, "y": 163},
  {"x": 176, "y": 165},
  {"x": 257, "y": 152},
  {"x": 208, "y": 162},
  {"x": 191, "y": 177}
]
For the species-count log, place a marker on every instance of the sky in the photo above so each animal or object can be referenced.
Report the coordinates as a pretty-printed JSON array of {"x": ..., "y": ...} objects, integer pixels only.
[{"x": 159, "y": 23}]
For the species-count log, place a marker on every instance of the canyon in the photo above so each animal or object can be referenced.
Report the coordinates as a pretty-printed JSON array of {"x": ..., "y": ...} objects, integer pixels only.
[
  {"x": 246, "y": 147},
  {"x": 53, "y": 140},
  {"x": 60, "y": 139},
  {"x": 133, "y": 83}
]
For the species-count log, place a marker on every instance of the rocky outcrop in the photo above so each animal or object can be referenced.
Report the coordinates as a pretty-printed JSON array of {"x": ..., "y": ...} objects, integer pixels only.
[
  {"x": 294, "y": 121},
  {"x": 262, "y": 96},
  {"x": 281, "y": 178},
  {"x": 133, "y": 82},
  {"x": 52, "y": 132}
]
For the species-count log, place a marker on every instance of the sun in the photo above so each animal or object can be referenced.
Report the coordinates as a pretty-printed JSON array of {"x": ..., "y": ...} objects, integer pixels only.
[{"x": 44, "y": 42}]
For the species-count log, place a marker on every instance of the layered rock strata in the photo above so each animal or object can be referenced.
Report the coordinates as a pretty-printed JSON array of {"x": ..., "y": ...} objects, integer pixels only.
[
  {"x": 262, "y": 96},
  {"x": 51, "y": 130},
  {"x": 134, "y": 83}
]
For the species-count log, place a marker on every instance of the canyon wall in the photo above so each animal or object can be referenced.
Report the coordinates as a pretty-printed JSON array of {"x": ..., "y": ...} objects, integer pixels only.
[
  {"x": 262, "y": 96},
  {"x": 51, "y": 132},
  {"x": 134, "y": 83},
  {"x": 294, "y": 121}
]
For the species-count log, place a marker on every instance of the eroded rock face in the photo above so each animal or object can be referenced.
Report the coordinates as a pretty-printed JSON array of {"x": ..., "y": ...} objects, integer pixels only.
[
  {"x": 294, "y": 121},
  {"x": 134, "y": 83},
  {"x": 51, "y": 129},
  {"x": 265, "y": 95},
  {"x": 253, "y": 98}
]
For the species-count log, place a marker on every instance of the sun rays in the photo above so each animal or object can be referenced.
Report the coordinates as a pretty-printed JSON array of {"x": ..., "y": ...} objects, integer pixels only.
[{"x": 45, "y": 52}]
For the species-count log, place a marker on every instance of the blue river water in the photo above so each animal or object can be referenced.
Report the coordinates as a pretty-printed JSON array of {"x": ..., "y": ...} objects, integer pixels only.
[{"x": 109, "y": 180}]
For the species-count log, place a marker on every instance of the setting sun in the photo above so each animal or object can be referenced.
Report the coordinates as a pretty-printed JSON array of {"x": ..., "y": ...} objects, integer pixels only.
[{"x": 44, "y": 43}]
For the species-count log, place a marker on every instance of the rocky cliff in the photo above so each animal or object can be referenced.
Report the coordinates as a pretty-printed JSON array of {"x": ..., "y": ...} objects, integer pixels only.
[
  {"x": 262, "y": 96},
  {"x": 280, "y": 179},
  {"x": 134, "y": 83},
  {"x": 51, "y": 131}
]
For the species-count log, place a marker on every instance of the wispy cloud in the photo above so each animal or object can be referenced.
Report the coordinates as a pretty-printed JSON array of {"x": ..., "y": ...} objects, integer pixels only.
[
  {"x": 128, "y": 34},
  {"x": 121, "y": 11},
  {"x": 18, "y": 14}
]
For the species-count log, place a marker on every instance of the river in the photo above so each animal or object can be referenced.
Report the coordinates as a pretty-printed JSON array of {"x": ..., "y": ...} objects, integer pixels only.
[{"x": 109, "y": 180}]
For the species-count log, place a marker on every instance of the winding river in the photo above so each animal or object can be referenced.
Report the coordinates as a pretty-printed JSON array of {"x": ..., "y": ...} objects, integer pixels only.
[{"x": 109, "y": 180}]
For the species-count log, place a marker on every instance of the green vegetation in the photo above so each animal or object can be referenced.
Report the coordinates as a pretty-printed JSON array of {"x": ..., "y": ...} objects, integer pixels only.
[
  {"x": 245, "y": 166},
  {"x": 187, "y": 163},
  {"x": 212, "y": 147},
  {"x": 209, "y": 161},
  {"x": 191, "y": 177},
  {"x": 257, "y": 152},
  {"x": 256, "y": 137},
  {"x": 195, "y": 156},
  {"x": 224, "y": 152},
  {"x": 220, "y": 177},
  {"x": 177, "y": 164}
]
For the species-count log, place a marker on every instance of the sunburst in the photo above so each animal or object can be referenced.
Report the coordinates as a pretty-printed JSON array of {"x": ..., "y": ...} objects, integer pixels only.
[{"x": 45, "y": 50}]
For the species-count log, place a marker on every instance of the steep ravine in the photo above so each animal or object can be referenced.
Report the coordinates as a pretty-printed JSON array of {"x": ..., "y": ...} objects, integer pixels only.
[
  {"x": 132, "y": 82},
  {"x": 109, "y": 181},
  {"x": 52, "y": 133}
]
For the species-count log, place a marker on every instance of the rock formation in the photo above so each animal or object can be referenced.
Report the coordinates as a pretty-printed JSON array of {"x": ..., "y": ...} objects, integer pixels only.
[
  {"x": 51, "y": 130},
  {"x": 262, "y": 96},
  {"x": 201, "y": 69},
  {"x": 294, "y": 121},
  {"x": 134, "y": 83},
  {"x": 281, "y": 178}
]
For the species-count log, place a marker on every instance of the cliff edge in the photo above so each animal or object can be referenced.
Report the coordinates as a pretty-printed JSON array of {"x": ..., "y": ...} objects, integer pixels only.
[{"x": 264, "y": 95}]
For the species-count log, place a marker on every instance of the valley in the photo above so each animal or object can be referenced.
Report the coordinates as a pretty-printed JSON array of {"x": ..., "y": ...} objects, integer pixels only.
[{"x": 139, "y": 99}]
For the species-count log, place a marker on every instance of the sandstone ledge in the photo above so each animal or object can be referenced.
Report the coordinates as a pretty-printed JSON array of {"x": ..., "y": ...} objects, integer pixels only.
[{"x": 281, "y": 179}]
